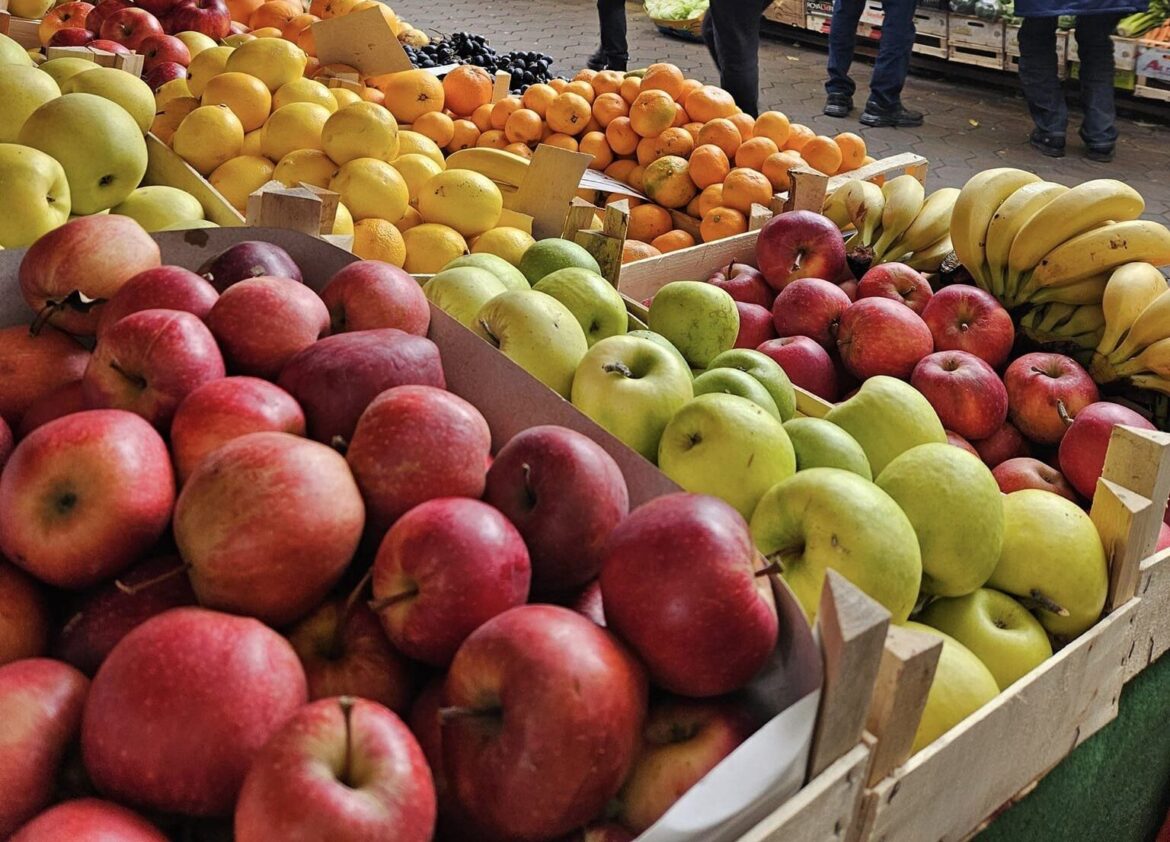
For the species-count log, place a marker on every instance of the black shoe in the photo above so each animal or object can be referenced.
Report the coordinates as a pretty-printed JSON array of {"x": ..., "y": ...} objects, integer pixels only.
[
  {"x": 1101, "y": 154},
  {"x": 838, "y": 105},
  {"x": 900, "y": 117},
  {"x": 1047, "y": 145},
  {"x": 597, "y": 61}
]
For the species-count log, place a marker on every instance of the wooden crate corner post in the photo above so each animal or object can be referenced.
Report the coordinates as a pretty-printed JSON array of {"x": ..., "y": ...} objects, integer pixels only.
[
  {"x": 605, "y": 245},
  {"x": 305, "y": 208},
  {"x": 807, "y": 191}
]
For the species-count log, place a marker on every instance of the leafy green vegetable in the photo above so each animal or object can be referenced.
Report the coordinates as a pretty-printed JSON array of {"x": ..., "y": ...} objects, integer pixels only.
[{"x": 676, "y": 9}]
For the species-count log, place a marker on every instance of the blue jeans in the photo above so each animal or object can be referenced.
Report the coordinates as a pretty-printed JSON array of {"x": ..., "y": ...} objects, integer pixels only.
[
  {"x": 1042, "y": 88},
  {"x": 893, "y": 61}
]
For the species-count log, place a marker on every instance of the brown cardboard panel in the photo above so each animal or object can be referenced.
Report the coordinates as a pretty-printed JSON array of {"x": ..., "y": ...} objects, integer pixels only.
[{"x": 362, "y": 40}]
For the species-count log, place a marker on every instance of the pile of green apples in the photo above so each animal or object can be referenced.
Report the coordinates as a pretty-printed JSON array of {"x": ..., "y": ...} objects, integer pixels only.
[{"x": 872, "y": 490}]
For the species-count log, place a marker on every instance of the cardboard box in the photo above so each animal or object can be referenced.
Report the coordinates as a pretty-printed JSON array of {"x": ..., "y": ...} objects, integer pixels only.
[
  {"x": 873, "y": 13},
  {"x": 823, "y": 8},
  {"x": 1153, "y": 62},
  {"x": 787, "y": 12}
]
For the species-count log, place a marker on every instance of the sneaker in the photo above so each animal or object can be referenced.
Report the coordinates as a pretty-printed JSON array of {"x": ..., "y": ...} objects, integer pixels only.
[
  {"x": 1047, "y": 145},
  {"x": 900, "y": 117},
  {"x": 597, "y": 61},
  {"x": 838, "y": 105},
  {"x": 1100, "y": 154}
]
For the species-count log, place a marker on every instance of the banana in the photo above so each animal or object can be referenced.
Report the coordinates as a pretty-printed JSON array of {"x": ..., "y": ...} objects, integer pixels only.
[
  {"x": 1048, "y": 318},
  {"x": 1130, "y": 289},
  {"x": 932, "y": 223},
  {"x": 1154, "y": 358},
  {"x": 1088, "y": 291},
  {"x": 1009, "y": 218},
  {"x": 496, "y": 164},
  {"x": 1087, "y": 318},
  {"x": 1102, "y": 250},
  {"x": 1064, "y": 324},
  {"x": 835, "y": 209},
  {"x": 930, "y": 258},
  {"x": 904, "y": 197},
  {"x": 978, "y": 201},
  {"x": 1151, "y": 382},
  {"x": 865, "y": 202},
  {"x": 1152, "y": 324}
]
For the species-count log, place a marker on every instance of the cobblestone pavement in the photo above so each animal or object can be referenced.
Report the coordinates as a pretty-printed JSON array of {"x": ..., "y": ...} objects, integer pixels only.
[{"x": 968, "y": 128}]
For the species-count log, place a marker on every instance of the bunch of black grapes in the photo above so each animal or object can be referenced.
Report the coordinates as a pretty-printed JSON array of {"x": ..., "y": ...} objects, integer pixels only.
[{"x": 526, "y": 67}]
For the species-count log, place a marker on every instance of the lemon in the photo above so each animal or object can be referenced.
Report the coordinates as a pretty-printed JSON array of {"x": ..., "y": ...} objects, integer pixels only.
[
  {"x": 371, "y": 188},
  {"x": 361, "y": 130},
  {"x": 240, "y": 177},
  {"x": 377, "y": 239},
  {"x": 414, "y": 143},
  {"x": 208, "y": 136},
  {"x": 409, "y": 219},
  {"x": 311, "y": 166},
  {"x": 169, "y": 116},
  {"x": 417, "y": 170},
  {"x": 344, "y": 96},
  {"x": 342, "y": 220},
  {"x": 252, "y": 142},
  {"x": 296, "y": 126},
  {"x": 273, "y": 61},
  {"x": 465, "y": 200},
  {"x": 304, "y": 90},
  {"x": 171, "y": 90},
  {"x": 505, "y": 242},
  {"x": 196, "y": 42},
  {"x": 245, "y": 95},
  {"x": 205, "y": 66},
  {"x": 430, "y": 247}
]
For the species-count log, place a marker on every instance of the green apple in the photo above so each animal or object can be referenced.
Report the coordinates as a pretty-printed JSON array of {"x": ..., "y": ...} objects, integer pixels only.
[
  {"x": 159, "y": 207},
  {"x": 1052, "y": 560},
  {"x": 698, "y": 318},
  {"x": 509, "y": 275},
  {"x": 34, "y": 194},
  {"x": 22, "y": 91},
  {"x": 632, "y": 386},
  {"x": 196, "y": 42},
  {"x": 732, "y": 381},
  {"x": 764, "y": 369},
  {"x": 962, "y": 684},
  {"x": 998, "y": 630},
  {"x": 547, "y": 256},
  {"x": 64, "y": 69},
  {"x": 822, "y": 444},
  {"x": 595, "y": 302},
  {"x": 188, "y": 224},
  {"x": 726, "y": 446},
  {"x": 96, "y": 142},
  {"x": 462, "y": 292},
  {"x": 11, "y": 53},
  {"x": 659, "y": 339},
  {"x": 956, "y": 508},
  {"x": 830, "y": 518},
  {"x": 536, "y": 332},
  {"x": 887, "y": 417},
  {"x": 126, "y": 89}
]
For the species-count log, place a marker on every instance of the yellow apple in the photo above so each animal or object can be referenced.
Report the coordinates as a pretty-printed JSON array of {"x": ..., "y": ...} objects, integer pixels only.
[
  {"x": 188, "y": 224},
  {"x": 158, "y": 207},
  {"x": 34, "y": 195},
  {"x": 63, "y": 69},
  {"x": 29, "y": 8},
  {"x": 22, "y": 91},
  {"x": 118, "y": 86},
  {"x": 196, "y": 42},
  {"x": 12, "y": 53},
  {"x": 173, "y": 89}
]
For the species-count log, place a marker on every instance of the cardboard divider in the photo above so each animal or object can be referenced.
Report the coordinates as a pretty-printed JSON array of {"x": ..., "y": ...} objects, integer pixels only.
[
  {"x": 361, "y": 40},
  {"x": 164, "y": 166}
]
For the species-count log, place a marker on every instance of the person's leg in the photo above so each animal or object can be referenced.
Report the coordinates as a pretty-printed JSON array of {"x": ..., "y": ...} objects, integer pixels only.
[
  {"x": 1098, "y": 131},
  {"x": 842, "y": 39},
  {"x": 1041, "y": 84},
  {"x": 709, "y": 38},
  {"x": 736, "y": 25},
  {"x": 893, "y": 60},
  {"x": 613, "y": 53}
]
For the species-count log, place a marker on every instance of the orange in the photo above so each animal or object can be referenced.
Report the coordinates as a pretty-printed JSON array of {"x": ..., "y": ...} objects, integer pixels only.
[
  {"x": 618, "y": 197},
  {"x": 645, "y": 151},
  {"x": 521, "y": 149},
  {"x": 681, "y": 117},
  {"x": 667, "y": 183},
  {"x": 568, "y": 114},
  {"x": 464, "y": 134},
  {"x": 798, "y": 136},
  {"x": 673, "y": 142},
  {"x": 523, "y": 126},
  {"x": 648, "y": 221},
  {"x": 581, "y": 89},
  {"x": 652, "y": 113},
  {"x": 608, "y": 82},
  {"x": 692, "y": 208},
  {"x": 561, "y": 141},
  {"x": 593, "y": 125},
  {"x": 709, "y": 103},
  {"x": 630, "y": 88},
  {"x": 502, "y": 110},
  {"x": 722, "y": 133},
  {"x": 482, "y": 117},
  {"x": 241, "y": 10},
  {"x": 822, "y": 153},
  {"x": 689, "y": 86},
  {"x": 493, "y": 138},
  {"x": 437, "y": 126},
  {"x": 673, "y": 241},
  {"x": 621, "y": 138},
  {"x": 558, "y": 85},
  {"x": 466, "y": 88},
  {"x": 693, "y": 130},
  {"x": 853, "y": 151},
  {"x": 333, "y": 8},
  {"x": 608, "y": 107},
  {"x": 411, "y": 94},
  {"x": 593, "y": 143},
  {"x": 663, "y": 77},
  {"x": 585, "y": 75},
  {"x": 709, "y": 165},
  {"x": 292, "y": 29},
  {"x": 711, "y": 197},
  {"x": 246, "y": 96},
  {"x": 746, "y": 124},
  {"x": 620, "y": 169},
  {"x": 776, "y": 168},
  {"x": 774, "y": 126},
  {"x": 636, "y": 178},
  {"x": 273, "y": 13},
  {"x": 372, "y": 95},
  {"x": 743, "y": 187},
  {"x": 752, "y": 153},
  {"x": 307, "y": 42},
  {"x": 634, "y": 250},
  {"x": 538, "y": 97},
  {"x": 722, "y": 222}
]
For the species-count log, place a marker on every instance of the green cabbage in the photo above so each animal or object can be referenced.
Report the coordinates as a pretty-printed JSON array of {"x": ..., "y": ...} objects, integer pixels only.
[{"x": 675, "y": 9}]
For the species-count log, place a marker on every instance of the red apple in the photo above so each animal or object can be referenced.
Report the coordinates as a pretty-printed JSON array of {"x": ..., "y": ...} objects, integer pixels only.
[
  {"x": 958, "y": 441},
  {"x": 149, "y": 361},
  {"x": 370, "y": 294},
  {"x": 261, "y": 323},
  {"x": 164, "y": 287},
  {"x": 211, "y": 17},
  {"x": 159, "y": 8},
  {"x": 679, "y": 583},
  {"x": 1024, "y": 472},
  {"x": 543, "y": 717},
  {"x": 209, "y": 689},
  {"x": 62, "y": 401},
  {"x": 810, "y": 307},
  {"x": 413, "y": 444},
  {"x": 682, "y": 741},
  {"x": 105, "y": 615},
  {"x": 605, "y": 832},
  {"x": 336, "y": 378},
  {"x": 879, "y": 336},
  {"x": 238, "y": 28},
  {"x": 966, "y": 318},
  {"x": 40, "y": 705},
  {"x": 966, "y": 393},
  {"x": 130, "y": 27},
  {"x": 1005, "y": 443},
  {"x": 342, "y": 769},
  {"x": 799, "y": 244},
  {"x": 33, "y": 365},
  {"x": 588, "y": 603},
  {"x": 168, "y": 71},
  {"x": 446, "y": 567},
  {"x": 103, "y": 10},
  {"x": 249, "y": 259},
  {"x": 268, "y": 523},
  {"x": 25, "y": 622},
  {"x": 64, "y": 16},
  {"x": 345, "y": 653},
  {"x": 1036, "y": 384},
  {"x": 850, "y": 288},
  {"x": 807, "y": 364},
  {"x": 85, "y": 496},
  {"x": 89, "y": 820},
  {"x": 109, "y": 47},
  {"x": 898, "y": 282},
  {"x": 157, "y": 49},
  {"x": 1163, "y": 538},
  {"x": 70, "y": 272},
  {"x": 425, "y": 722},
  {"x": 565, "y": 494},
  {"x": 72, "y": 37},
  {"x": 755, "y": 325},
  {"x": 744, "y": 283},
  {"x": 7, "y": 442},
  {"x": 225, "y": 409},
  {"x": 1082, "y": 450}
]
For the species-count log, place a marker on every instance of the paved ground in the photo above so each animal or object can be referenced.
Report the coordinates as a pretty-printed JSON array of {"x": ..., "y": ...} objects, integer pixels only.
[{"x": 968, "y": 127}]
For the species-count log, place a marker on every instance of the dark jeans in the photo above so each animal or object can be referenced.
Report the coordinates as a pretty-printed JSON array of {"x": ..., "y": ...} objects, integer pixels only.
[
  {"x": 1042, "y": 88},
  {"x": 612, "y": 15},
  {"x": 731, "y": 30},
  {"x": 893, "y": 60}
]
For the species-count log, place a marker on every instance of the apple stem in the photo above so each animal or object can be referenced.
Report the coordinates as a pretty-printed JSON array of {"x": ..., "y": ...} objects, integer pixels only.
[
  {"x": 47, "y": 312},
  {"x": 137, "y": 379},
  {"x": 340, "y": 444},
  {"x": 446, "y": 714},
  {"x": 619, "y": 368},
  {"x": 1062, "y": 411},
  {"x": 131, "y": 590},
  {"x": 1037, "y": 599},
  {"x": 526, "y": 469},
  {"x": 346, "y": 704},
  {"x": 377, "y": 605},
  {"x": 773, "y": 566},
  {"x": 490, "y": 336},
  {"x": 336, "y": 648}
]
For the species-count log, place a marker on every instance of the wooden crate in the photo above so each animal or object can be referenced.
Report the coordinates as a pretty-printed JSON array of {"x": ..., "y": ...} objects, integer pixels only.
[
  {"x": 22, "y": 30},
  {"x": 974, "y": 55},
  {"x": 1124, "y": 51},
  {"x": 930, "y": 45},
  {"x": 131, "y": 63},
  {"x": 1150, "y": 87},
  {"x": 1011, "y": 61},
  {"x": 976, "y": 32},
  {"x": 930, "y": 22}
]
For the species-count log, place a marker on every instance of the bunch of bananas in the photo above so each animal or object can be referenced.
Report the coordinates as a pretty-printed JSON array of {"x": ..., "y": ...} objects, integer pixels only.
[
  {"x": 1135, "y": 342},
  {"x": 1029, "y": 241},
  {"x": 506, "y": 169},
  {"x": 897, "y": 221},
  {"x": 1074, "y": 329}
]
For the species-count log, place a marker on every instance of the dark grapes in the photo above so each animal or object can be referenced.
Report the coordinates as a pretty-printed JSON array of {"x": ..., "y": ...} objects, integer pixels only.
[{"x": 526, "y": 67}]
